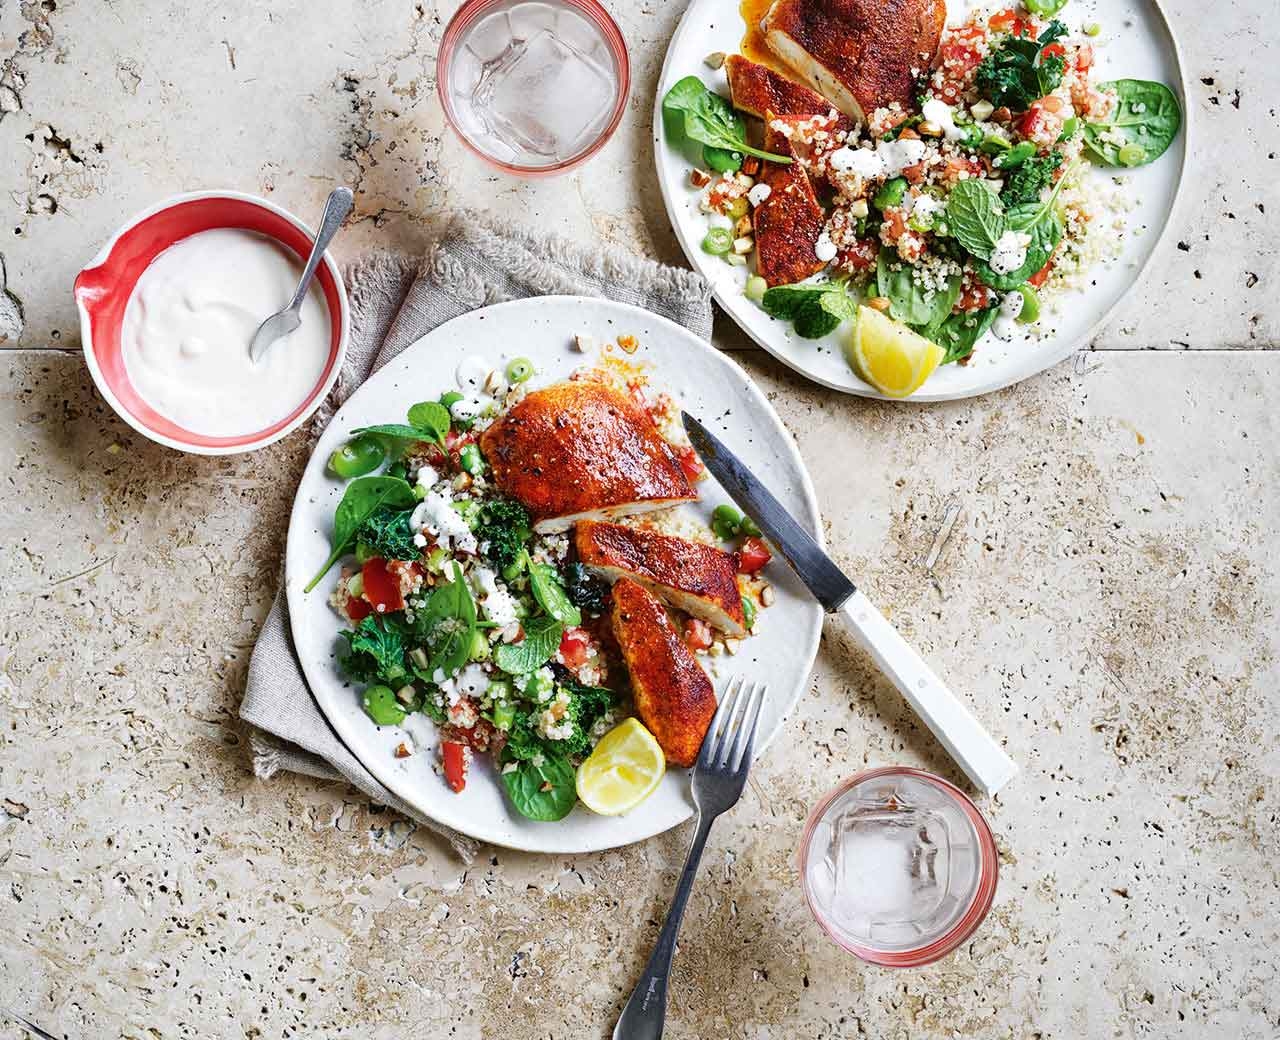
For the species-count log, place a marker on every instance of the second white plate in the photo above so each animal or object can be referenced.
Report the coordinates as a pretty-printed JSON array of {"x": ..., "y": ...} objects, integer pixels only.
[{"x": 1136, "y": 42}]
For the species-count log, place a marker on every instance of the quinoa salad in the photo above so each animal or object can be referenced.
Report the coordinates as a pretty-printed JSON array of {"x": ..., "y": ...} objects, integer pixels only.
[
  {"x": 967, "y": 211},
  {"x": 470, "y": 631}
]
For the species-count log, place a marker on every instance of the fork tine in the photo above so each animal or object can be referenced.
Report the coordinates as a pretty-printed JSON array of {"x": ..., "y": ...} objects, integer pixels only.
[
  {"x": 744, "y": 741},
  {"x": 717, "y": 730},
  {"x": 732, "y": 726}
]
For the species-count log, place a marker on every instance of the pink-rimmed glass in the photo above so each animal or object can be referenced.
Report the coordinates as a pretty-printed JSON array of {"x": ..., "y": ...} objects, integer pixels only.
[
  {"x": 972, "y": 900},
  {"x": 470, "y": 15}
]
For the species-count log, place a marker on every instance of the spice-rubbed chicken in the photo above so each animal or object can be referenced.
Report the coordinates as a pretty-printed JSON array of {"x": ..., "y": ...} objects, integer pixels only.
[
  {"x": 699, "y": 579},
  {"x": 789, "y": 222},
  {"x": 859, "y": 54},
  {"x": 583, "y": 449},
  {"x": 757, "y": 90},
  {"x": 672, "y": 694}
]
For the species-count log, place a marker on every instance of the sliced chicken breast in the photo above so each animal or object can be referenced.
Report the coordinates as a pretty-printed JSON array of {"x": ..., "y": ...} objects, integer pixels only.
[
  {"x": 859, "y": 54},
  {"x": 758, "y": 90},
  {"x": 579, "y": 450},
  {"x": 788, "y": 222},
  {"x": 673, "y": 696},
  {"x": 698, "y": 579}
]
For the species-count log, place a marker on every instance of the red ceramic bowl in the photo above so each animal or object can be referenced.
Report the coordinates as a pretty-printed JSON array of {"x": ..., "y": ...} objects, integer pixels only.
[{"x": 103, "y": 289}]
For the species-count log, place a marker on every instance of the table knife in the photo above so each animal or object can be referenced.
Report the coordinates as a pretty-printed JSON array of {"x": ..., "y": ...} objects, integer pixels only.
[{"x": 976, "y": 752}]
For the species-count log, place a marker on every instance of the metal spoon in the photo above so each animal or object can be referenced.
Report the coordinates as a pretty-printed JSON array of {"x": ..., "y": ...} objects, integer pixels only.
[{"x": 283, "y": 322}]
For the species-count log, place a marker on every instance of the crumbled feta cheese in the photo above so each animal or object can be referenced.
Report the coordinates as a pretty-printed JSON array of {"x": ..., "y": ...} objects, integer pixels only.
[
  {"x": 436, "y": 515},
  {"x": 936, "y": 111},
  {"x": 471, "y": 407},
  {"x": 427, "y": 477},
  {"x": 1010, "y": 308},
  {"x": 824, "y": 249},
  {"x": 862, "y": 161},
  {"x": 1010, "y": 252},
  {"x": 898, "y": 155},
  {"x": 496, "y": 602},
  {"x": 758, "y": 194}
]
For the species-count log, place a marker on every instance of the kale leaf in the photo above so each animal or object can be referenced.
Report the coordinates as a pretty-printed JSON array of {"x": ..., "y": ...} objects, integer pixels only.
[
  {"x": 1024, "y": 183},
  {"x": 584, "y": 589},
  {"x": 1017, "y": 71},
  {"x": 388, "y": 533},
  {"x": 505, "y": 525},
  {"x": 375, "y": 652}
]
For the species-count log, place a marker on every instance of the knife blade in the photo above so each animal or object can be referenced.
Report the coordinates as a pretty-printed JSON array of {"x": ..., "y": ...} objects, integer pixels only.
[
  {"x": 974, "y": 749},
  {"x": 826, "y": 581}
]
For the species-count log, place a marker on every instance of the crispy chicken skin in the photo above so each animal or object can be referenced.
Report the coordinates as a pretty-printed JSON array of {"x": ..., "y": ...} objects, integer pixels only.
[
  {"x": 699, "y": 579},
  {"x": 673, "y": 696},
  {"x": 859, "y": 54},
  {"x": 582, "y": 449},
  {"x": 756, "y": 90},
  {"x": 789, "y": 222}
]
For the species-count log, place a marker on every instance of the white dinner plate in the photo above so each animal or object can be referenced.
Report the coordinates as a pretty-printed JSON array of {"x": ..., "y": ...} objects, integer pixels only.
[
  {"x": 1136, "y": 43},
  {"x": 703, "y": 382}
]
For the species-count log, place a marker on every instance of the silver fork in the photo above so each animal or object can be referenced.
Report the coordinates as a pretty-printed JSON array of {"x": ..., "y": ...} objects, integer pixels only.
[{"x": 718, "y": 779}]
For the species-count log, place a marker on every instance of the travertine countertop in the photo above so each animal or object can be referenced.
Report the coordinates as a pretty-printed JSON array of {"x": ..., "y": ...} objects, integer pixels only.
[{"x": 1107, "y": 598}]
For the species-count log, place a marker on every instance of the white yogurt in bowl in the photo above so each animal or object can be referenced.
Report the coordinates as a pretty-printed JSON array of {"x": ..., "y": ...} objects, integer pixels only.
[{"x": 189, "y": 321}]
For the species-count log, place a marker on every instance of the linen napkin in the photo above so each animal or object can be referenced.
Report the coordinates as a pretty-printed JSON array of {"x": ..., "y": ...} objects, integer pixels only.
[{"x": 395, "y": 300}]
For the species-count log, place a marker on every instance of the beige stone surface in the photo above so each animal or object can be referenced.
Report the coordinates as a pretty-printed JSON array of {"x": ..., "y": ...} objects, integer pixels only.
[{"x": 1107, "y": 598}]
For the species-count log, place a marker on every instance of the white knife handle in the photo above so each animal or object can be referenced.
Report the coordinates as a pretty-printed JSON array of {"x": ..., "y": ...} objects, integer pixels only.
[{"x": 975, "y": 751}]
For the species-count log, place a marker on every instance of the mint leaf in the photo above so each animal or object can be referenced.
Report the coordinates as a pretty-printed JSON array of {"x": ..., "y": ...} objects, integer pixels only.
[
  {"x": 540, "y": 642},
  {"x": 975, "y": 217},
  {"x": 431, "y": 417}
]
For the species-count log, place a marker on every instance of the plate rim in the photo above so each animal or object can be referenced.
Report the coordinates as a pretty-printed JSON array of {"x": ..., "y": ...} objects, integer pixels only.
[
  {"x": 923, "y": 397},
  {"x": 338, "y": 724}
]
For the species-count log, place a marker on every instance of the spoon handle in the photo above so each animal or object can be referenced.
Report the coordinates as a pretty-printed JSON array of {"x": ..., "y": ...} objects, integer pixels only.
[{"x": 336, "y": 209}]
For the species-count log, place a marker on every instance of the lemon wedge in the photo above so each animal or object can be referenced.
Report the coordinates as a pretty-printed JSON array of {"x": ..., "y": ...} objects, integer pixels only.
[
  {"x": 889, "y": 356},
  {"x": 622, "y": 771}
]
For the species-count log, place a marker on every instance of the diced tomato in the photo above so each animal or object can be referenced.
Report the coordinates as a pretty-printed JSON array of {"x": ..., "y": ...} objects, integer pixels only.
[
  {"x": 454, "y": 759},
  {"x": 974, "y": 296},
  {"x": 408, "y": 573},
  {"x": 1054, "y": 50},
  {"x": 381, "y": 587},
  {"x": 861, "y": 256},
  {"x": 1010, "y": 21},
  {"x": 753, "y": 555},
  {"x": 1041, "y": 276},
  {"x": 1083, "y": 57},
  {"x": 574, "y": 645},
  {"x": 357, "y": 609},
  {"x": 914, "y": 173},
  {"x": 1041, "y": 125},
  {"x": 959, "y": 168},
  {"x": 689, "y": 462},
  {"x": 960, "y": 52},
  {"x": 697, "y": 634}
]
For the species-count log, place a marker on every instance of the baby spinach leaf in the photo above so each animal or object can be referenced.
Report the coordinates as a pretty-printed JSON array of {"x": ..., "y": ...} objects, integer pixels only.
[
  {"x": 540, "y": 642},
  {"x": 543, "y": 792},
  {"x": 1147, "y": 117},
  {"x": 908, "y": 301},
  {"x": 363, "y": 497},
  {"x": 398, "y": 431},
  {"x": 958, "y": 334},
  {"x": 449, "y": 619},
  {"x": 550, "y": 594},
  {"x": 693, "y": 113},
  {"x": 1045, "y": 234},
  {"x": 975, "y": 217}
]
